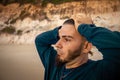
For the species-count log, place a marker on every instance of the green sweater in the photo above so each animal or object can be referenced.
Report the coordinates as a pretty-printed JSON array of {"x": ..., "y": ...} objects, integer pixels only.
[{"x": 106, "y": 41}]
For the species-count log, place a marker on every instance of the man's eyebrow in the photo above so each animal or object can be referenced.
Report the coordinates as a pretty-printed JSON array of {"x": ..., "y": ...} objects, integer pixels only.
[{"x": 67, "y": 36}]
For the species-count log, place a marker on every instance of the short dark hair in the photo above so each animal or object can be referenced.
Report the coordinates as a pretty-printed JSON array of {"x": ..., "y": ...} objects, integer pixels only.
[{"x": 70, "y": 21}]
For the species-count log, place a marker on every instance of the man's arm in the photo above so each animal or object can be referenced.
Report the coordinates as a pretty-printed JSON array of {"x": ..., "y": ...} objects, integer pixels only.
[
  {"x": 106, "y": 41},
  {"x": 43, "y": 44}
]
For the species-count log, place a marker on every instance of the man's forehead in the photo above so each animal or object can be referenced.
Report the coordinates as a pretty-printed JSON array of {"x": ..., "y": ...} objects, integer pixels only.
[
  {"x": 68, "y": 27},
  {"x": 67, "y": 30}
]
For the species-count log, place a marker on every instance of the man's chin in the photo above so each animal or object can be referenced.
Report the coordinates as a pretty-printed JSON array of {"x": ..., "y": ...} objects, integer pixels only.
[{"x": 60, "y": 61}]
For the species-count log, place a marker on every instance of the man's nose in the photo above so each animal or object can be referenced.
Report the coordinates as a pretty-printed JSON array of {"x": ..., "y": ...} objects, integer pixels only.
[{"x": 58, "y": 44}]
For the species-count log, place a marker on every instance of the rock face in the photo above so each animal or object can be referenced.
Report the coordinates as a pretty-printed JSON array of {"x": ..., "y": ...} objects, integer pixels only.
[{"x": 20, "y": 24}]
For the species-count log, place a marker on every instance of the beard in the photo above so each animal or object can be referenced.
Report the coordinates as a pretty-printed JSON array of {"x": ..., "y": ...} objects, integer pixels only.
[
  {"x": 59, "y": 62},
  {"x": 71, "y": 56}
]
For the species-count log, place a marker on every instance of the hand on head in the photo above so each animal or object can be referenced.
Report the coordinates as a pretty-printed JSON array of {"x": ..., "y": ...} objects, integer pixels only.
[{"x": 83, "y": 20}]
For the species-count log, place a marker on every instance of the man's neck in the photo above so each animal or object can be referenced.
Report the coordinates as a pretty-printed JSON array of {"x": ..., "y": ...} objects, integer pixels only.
[{"x": 83, "y": 58}]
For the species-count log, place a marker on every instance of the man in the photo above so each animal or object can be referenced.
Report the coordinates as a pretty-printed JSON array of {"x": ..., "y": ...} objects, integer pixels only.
[{"x": 70, "y": 59}]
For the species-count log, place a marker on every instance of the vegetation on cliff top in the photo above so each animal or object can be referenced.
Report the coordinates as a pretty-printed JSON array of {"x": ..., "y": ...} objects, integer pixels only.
[{"x": 42, "y": 2}]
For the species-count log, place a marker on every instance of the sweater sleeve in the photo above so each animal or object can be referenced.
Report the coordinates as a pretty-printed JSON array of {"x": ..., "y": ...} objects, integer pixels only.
[
  {"x": 44, "y": 47},
  {"x": 106, "y": 41}
]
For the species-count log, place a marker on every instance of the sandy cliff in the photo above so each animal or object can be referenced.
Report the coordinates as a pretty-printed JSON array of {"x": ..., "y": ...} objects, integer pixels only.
[{"x": 20, "y": 24}]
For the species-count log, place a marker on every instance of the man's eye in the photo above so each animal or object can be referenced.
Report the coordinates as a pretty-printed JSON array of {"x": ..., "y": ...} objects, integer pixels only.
[{"x": 67, "y": 40}]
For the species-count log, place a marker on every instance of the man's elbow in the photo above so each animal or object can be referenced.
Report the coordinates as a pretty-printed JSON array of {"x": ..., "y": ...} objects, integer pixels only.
[{"x": 37, "y": 39}]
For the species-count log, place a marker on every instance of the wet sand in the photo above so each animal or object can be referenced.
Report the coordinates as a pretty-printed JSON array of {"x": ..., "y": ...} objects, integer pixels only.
[{"x": 20, "y": 62}]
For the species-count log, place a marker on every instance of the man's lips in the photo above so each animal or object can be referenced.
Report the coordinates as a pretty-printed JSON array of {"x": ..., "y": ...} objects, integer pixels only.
[{"x": 59, "y": 52}]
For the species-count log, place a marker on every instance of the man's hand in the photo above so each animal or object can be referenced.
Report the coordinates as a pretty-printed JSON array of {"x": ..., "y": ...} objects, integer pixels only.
[{"x": 83, "y": 20}]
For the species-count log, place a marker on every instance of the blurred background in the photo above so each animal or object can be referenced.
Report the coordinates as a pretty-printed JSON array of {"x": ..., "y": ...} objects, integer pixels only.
[{"x": 22, "y": 20}]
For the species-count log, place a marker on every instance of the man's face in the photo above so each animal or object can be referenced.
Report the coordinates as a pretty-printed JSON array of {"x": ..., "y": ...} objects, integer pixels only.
[{"x": 69, "y": 45}]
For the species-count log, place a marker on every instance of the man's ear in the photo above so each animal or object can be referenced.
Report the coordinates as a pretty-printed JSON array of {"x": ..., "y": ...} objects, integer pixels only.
[{"x": 87, "y": 47}]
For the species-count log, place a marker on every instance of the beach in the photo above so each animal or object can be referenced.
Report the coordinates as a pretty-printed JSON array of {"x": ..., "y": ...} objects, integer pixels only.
[{"x": 20, "y": 62}]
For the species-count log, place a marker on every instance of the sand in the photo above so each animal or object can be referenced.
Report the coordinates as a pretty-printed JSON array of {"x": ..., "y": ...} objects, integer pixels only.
[{"x": 20, "y": 62}]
